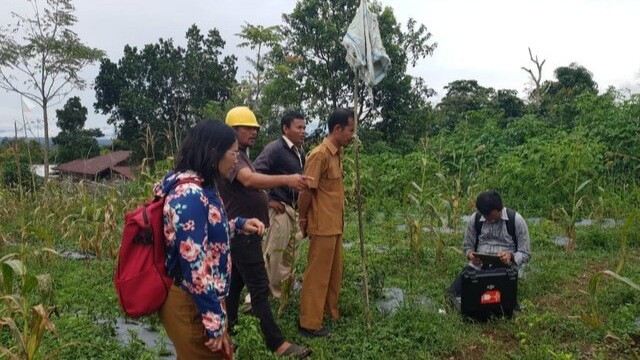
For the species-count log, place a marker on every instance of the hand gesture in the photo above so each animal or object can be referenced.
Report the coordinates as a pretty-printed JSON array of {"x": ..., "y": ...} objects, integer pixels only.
[
  {"x": 253, "y": 226},
  {"x": 299, "y": 182}
]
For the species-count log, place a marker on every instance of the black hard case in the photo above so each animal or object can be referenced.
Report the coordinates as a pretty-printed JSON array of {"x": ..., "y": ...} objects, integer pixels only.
[{"x": 475, "y": 283}]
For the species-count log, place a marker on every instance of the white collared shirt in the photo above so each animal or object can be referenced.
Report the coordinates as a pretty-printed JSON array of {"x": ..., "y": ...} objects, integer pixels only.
[{"x": 292, "y": 146}]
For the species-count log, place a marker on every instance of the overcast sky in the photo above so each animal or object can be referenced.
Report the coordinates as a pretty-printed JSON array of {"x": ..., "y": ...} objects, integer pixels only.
[{"x": 485, "y": 40}]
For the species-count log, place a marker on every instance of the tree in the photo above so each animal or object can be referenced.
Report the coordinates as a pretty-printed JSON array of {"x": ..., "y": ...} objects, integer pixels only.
[
  {"x": 41, "y": 57},
  {"x": 508, "y": 105},
  {"x": 313, "y": 33},
  {"x": 74, "y": 141},
  {"x": 463, "y": 96},
  {"x": 16, "y": 157},
  {"x": 258, "y": 38},
  {"x": 558, "y": 102},
  {"x": 536, "y": 79},
  {"x": 154, "y": 94}
]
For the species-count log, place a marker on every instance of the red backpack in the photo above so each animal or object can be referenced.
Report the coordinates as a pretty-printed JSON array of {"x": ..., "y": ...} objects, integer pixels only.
[{"x": 141, "y": 278}]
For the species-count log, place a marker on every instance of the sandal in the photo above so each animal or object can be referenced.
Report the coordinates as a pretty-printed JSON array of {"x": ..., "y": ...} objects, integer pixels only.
[{"x": 296, "y": 351}]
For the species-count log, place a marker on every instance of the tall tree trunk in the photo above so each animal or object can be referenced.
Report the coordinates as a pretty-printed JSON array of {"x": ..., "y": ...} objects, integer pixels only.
[{"x": 46, "y": 140}]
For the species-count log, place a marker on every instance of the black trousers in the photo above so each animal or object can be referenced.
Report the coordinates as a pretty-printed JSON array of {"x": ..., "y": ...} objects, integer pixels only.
[{"x": 248, "y": 269}]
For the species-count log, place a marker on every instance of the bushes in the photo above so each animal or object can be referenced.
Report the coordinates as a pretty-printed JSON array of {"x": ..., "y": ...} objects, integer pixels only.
[{"x": 540, "y": 175}]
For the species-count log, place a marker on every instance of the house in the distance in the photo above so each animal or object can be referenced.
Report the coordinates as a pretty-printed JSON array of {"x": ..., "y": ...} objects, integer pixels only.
[{"x": 110, "y": 166}]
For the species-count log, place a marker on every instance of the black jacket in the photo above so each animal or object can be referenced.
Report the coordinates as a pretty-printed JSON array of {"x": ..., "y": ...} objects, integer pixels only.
[{"x": 278, "y": 159}]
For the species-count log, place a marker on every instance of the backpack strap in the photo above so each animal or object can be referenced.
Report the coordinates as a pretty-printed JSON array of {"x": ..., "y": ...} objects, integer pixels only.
[
  {"x": 478, "y": 226},
  {"x": 189, "y": 180},
  {"x": 511, "y": 227}
]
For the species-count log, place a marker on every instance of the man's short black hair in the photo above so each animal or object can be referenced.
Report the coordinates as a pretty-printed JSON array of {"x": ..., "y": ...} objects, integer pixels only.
[
  {"x": 489, "y": 201},
  {"x": 340, "y": 117},
  {"x": 287, "y": 119}
]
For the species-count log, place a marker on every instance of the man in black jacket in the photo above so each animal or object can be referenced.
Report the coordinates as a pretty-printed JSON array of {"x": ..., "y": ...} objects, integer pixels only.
[{"x": 283, "y": 156}]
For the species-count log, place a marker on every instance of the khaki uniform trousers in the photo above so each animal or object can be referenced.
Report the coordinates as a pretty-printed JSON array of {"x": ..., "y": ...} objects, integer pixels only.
[
  {"x": 322, "y": 281},
  {"x": 183, "y": 324},
  {"x": 279, "y": 247}
]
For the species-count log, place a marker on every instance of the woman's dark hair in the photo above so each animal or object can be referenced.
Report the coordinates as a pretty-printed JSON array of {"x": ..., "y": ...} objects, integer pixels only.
[
  {"x": 204, "y": 147},
  {"x": 488, "y": 201},
  {"x": 340, "y": 117}
]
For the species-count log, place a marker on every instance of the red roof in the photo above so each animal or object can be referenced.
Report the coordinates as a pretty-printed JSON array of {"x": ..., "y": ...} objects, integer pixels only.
[
  {"x": 95, "y": 165},
  {"x": 124, "y": 171}
]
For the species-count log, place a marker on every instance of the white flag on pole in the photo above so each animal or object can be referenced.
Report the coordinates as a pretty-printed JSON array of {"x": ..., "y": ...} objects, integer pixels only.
[
  {"x": 364, "y": 46},
  {"x": 27, "y": 105}
]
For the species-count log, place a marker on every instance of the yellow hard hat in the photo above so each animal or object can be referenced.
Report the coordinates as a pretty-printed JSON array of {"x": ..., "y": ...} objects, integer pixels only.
[{"x": 241, "y": 116}]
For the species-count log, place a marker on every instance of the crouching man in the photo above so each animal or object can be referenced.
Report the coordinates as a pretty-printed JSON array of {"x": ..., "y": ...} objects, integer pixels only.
[{"x": 493, "y": 230}]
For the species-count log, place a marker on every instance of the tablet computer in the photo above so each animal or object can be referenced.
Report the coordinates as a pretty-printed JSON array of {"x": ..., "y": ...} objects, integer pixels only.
[{"x": 489, "y": 259}]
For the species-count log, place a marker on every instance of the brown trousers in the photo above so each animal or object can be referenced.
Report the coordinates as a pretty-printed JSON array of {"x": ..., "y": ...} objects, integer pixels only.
[
  {"x": 278, "y": 247},
  {"x": 183, "y": 324},
  {"x": 322, "y": 281}
]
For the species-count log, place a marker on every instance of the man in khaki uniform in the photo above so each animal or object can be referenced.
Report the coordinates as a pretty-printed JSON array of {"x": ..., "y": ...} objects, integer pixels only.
[{"x": 321, "y": 210}]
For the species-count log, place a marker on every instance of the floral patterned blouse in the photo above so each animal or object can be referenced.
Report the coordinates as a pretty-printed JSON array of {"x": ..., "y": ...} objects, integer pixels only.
[{"x": 197, "y": 236}]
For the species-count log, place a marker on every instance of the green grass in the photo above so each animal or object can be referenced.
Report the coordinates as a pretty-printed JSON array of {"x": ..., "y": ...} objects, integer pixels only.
[{"x": 554, "y": 292}]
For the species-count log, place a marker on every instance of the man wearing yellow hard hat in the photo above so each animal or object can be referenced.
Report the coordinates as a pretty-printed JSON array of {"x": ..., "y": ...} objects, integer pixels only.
[{"x": 243, "y": 195}]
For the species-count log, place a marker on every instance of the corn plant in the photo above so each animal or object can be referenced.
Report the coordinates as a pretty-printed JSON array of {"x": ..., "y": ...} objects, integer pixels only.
[
  {"x": 624, "y": 239},
  {"x": 593, "y": 318},
  {"x": 568, "y": 218},
  {"x": 434, "y": 205},
  {"x": 27, "y": 323}
]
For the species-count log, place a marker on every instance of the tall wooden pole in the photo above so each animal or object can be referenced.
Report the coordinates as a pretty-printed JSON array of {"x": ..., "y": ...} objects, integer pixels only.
[{"x": 359, "y": 203}]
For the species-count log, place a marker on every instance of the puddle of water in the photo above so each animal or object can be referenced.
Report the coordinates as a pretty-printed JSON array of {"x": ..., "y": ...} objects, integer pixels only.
[
  {"x": 392, "y": 299},
  {"x": 75, "y": 255},
  {"x": 150, "y": 338},
  {"x": 584, "y": 222},
  {"x": 608, "y": 223},
  {"x": 443, "y": 230},
  {"x": 560, "y": 240},
  {"x": 381, "y": 249}
]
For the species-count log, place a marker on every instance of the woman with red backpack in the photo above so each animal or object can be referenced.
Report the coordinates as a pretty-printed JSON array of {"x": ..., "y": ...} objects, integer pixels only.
[{"x": 197, "y": 233}]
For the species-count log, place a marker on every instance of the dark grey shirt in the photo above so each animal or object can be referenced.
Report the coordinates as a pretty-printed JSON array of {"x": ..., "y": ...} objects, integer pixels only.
[
  {"x": 278, "y": 158},
  {"x": 495, "y": 237}
]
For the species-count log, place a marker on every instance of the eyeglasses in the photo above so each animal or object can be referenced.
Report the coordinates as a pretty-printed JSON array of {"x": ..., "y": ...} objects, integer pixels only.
[{"x": 234, "y": 153}]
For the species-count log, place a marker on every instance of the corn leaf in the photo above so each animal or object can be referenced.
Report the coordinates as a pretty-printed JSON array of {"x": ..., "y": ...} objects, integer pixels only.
[{"x": 582, "y": 185}]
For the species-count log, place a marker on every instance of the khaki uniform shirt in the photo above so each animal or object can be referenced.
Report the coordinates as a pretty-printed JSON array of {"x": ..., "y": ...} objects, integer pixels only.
[{"x": 326, "y": 214}]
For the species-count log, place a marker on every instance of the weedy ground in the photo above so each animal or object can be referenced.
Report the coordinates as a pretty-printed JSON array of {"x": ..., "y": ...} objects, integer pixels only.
[{"x": 553, "y": 289}]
